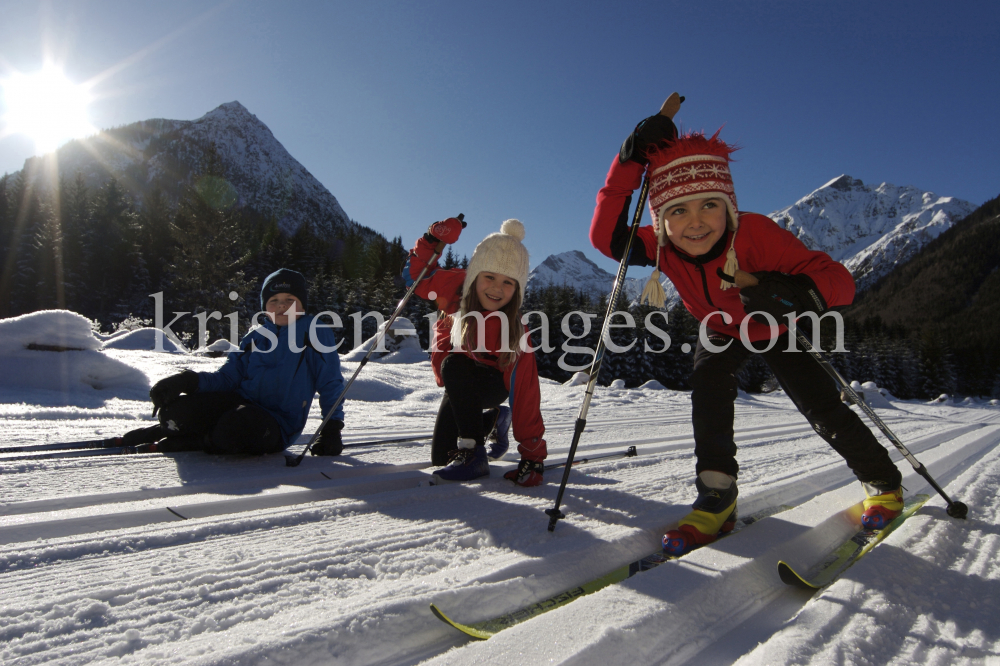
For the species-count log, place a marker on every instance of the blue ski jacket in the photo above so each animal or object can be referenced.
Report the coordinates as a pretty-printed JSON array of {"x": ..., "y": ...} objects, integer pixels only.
[{"x": 281, "y": 380}]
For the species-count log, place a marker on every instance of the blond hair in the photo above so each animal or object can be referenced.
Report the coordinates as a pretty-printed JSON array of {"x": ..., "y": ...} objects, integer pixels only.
[{"x": 464, "y": 328}]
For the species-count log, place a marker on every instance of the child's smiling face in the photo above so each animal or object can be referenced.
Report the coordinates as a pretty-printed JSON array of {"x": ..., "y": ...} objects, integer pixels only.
[
  {"x": 494, "y": 290},
  {"x": 279, "y": 305},
  {"x": 696, "y": 225}
]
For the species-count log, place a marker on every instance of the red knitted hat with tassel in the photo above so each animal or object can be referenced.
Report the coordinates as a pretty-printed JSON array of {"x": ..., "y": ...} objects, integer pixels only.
[{"x": 690, "y": 167}]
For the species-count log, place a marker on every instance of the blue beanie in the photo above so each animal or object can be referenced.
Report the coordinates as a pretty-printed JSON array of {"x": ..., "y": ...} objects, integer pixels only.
[{"x": 285, "y": 281}]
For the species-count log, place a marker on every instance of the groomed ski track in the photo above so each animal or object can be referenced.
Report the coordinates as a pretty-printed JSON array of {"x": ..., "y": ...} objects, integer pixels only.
[{"x": 262, "y": 572}]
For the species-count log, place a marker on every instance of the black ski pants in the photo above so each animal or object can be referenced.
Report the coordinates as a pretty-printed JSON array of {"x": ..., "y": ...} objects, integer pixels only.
[
  {"x": 809, "y": 386},
  {"x": 469, "y": 388},
  {"x": 226, "y": 423}
]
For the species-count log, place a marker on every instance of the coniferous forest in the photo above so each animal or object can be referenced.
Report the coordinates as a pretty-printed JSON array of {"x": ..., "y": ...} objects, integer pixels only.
[{"x": 926, "y": 329}]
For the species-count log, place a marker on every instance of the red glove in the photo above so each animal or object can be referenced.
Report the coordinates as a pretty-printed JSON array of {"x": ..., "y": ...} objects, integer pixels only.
[
  {"x": 447, "y": 231},
  {"x": 528, "y": 473}
]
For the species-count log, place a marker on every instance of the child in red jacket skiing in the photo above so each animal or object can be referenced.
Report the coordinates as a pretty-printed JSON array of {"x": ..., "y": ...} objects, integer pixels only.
[
  {"x": 479, "y": 352},
  {"x": 698, "y": 237}
]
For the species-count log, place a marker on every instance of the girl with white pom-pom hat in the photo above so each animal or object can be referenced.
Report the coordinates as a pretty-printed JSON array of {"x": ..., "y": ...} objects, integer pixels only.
[{"x": 480, "y": 353}]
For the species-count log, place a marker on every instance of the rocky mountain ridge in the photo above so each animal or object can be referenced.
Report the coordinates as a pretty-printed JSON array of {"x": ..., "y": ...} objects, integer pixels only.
[
  {"x": 168, "y": 154},
  {"x": 871, "y": 230}
]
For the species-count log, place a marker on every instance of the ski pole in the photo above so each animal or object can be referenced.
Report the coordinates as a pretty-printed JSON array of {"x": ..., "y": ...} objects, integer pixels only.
[
  {"x": 396, "y": 440},
  {"x": 955, "y": 509},
  {"x": 595, "y": 368},
  {"x": 295, "y": 461},
  {"x": 628, "y": 453}
]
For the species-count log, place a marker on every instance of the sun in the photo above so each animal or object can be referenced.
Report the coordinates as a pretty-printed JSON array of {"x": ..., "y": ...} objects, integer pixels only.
[{"x": 46, "y": 107}]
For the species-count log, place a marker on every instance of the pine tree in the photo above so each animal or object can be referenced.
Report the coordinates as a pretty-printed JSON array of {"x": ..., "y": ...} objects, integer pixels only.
[
  {"x": 46, "y": 247},
  {"x": 75, "y": 216},
  {"x": 156, "y": 239},
  {"x": 6, "y": 243},
  {"x": 108, "y": 244},
  {"x": 211, "y": 253}
]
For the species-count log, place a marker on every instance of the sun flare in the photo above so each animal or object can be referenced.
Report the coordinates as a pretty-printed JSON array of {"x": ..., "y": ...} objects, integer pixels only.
[{"x": 46, "y": 107}]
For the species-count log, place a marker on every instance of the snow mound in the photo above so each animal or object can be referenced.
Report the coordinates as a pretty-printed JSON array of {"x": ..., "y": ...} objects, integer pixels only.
[
  {"x": 618, "y": 384},
  {"x": 401, "y": 345},
  {"x": 217, "y": 349},
  {"x": 144, "y": 339},
  {"x": 653, "y": 385},
  {"x": 47, "y": 328},
  {"x": 79, "y": 371},
  {"x": 222, "y": 345},
  {"x": 873, "y": 396},
  {"x": 578, "y": 379},
  {"x": 369, "y": 389}
]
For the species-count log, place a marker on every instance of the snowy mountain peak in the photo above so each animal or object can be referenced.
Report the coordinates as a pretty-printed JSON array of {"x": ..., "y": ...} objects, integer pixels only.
[
  {"x": 574, "y": 269},
  {"x": 870, "y": 229},
  {"x": 167, "y": 154},
  {"x": 574, "y": 263},
  {"x": 844, "y": 183}
]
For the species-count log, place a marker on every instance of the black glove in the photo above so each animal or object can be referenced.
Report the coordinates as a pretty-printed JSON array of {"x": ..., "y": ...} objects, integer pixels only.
[
  {"x": 329, "y": 442},
  {"x": 167, "y": 390},
  {"x": 778, "y": 294},
  {"x": 649, "y": 132}
]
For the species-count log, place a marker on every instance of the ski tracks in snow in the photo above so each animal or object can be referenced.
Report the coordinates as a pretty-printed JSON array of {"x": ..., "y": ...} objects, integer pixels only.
[{"x": 348, "y": 579}]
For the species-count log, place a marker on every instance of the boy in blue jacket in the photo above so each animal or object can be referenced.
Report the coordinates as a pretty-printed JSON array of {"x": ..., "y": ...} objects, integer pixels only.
[{"x": 258, "y": 401}]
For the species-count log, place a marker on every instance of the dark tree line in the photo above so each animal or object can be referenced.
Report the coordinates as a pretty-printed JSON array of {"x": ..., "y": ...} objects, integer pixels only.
[
  {"x": 930, "y": 326},
  {"x": 102, "y": 254}
]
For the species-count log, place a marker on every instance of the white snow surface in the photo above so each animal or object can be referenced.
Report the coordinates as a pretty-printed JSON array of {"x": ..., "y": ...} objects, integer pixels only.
[
  {"x": 145, "y": 339},
  {"x": 54, "y": 351},
  {"x": 50, "y": 328},
  {"x": 400, "y": 345},
  {"x": 336, "y": 561}
]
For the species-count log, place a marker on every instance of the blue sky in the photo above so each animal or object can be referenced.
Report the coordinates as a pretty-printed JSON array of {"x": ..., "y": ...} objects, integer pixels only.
[{"x": 413, "y": 111}]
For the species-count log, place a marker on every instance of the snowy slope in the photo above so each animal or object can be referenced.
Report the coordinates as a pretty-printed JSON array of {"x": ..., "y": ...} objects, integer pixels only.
[
  {"x": 575, "y": 270},
  {"x": 336, "y": 561},
  {"x": 871, "y": 230},
  {"x": 163, "y": 153}
]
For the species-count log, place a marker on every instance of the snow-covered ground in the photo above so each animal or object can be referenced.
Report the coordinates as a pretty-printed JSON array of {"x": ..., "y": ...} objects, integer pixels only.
[{"x": 336, "y": 561}]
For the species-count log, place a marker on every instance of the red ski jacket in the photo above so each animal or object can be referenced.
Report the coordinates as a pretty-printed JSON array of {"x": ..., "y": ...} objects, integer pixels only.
[
  {"x": 761, "y": 245},
  {"x": 520, "y": 378}
]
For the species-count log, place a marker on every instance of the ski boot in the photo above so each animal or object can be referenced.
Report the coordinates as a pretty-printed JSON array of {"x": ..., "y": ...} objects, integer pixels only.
[
  {"x": 145, "y": 435},
  {"x": 499, "y": 442},
  {"x": 882, "y": 505},
  {"x": 528, "y": 473},
  {"x": 468, "y": 462},
  {"x": 714, "y": 514}
]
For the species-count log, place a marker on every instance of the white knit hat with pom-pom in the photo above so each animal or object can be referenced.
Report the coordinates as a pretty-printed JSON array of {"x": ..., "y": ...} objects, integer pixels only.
[{"x": 500, "y": 253}]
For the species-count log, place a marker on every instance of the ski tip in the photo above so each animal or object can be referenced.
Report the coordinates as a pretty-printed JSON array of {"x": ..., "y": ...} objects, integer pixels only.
[
  {"x": 464, "y": 628},
  {"x": 789, "y": 576}
]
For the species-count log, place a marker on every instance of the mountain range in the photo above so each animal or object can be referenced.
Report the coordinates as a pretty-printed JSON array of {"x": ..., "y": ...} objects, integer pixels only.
[
  {"x": 871, "y": 230},
  {"x": 167, "y": 154}
]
